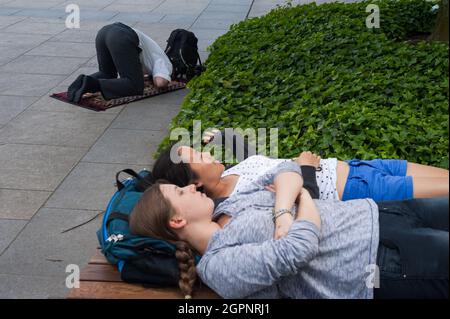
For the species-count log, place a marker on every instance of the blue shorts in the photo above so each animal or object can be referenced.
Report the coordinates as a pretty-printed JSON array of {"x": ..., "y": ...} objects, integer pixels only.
[{"x": 378, "y": 179}]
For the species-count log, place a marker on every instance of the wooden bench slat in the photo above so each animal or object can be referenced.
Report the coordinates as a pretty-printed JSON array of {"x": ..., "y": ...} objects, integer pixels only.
[
  {"x": 121, "y": 290},
  {"x": 101, "y": 280},
  {"x": 99, "y": 272}
]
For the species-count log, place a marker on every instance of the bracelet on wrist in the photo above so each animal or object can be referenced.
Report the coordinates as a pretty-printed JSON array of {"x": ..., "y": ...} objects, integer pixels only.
[{"x": 279, "y": 212}]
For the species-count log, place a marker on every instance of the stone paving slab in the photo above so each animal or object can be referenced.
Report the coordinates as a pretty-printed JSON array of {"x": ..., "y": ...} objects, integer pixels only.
[
  {"x": 124, "y": 8},
  {"x": 8, "y": 11},
  {"x": 9, "y": 229},
  {"x": 7, "y": 21},
  {"x": 11, "y": 106},
  {"x": 232, "y": 2},
  {"x": 87, "y": 4},
  {"x": 30, "y": 40},
  {"x": 125, "y": 146},
  {"x": 35, "y": 64},
  {"x": 97, "y": 15},
  {"x": 141, "y": 2},
  {"x": 139, "y": 17},
  {"x": 64, "y": 49},
  {"x": 203, "y": 55},
  {"x": 9, "y": 53},
  {"x": 42, "y": 13},
  {"x": 27, "y": 84},
  {"x": 92, "y": 63},
  {"x": 204, "y": 44},
  {"x": 179, "y": 19},
  {"x": 89, "y": 186},
  {"x": 237, "y": 16},
  {"x": 60, "y": 20},
  {"x": 31, "y": 287},
  {"x": 56, "y": 128},
  {"x": 204, "y": 22},
  {"x": 94, "y": 25},
  {"x": 52, "y": 250},
  {"x": 33, "y": 4},
  {"x": 36, "y": 167},
  {"x": 181, "y": 7},
  {"x": 76, "y": 35},
  {"x": 207, "y": 33},
  {"x": 152, "y": 115},
  {"x": 235, "y": 8},
  {"x": 20, "y": 204},
  {"x": 35, "y": 28}
]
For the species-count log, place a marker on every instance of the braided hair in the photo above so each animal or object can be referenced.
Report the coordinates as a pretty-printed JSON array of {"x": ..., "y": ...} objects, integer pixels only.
[{"x": 150, "y": 217}]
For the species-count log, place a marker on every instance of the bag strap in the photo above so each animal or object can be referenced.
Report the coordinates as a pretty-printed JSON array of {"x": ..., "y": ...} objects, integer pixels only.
[
  {"x": 172, "y": 37},
  {"x": 199, "y": 60},
  {"x": 129, "y": 171},
  {"x": 116, "y": 215}
]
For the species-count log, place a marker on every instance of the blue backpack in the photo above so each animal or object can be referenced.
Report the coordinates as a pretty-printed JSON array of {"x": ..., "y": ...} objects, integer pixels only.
[{"x": 139, "y": 259}]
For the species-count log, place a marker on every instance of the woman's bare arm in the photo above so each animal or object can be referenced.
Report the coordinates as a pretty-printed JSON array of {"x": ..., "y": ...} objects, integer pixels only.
[
  {"x": 287, "y": 189},
  {"x": 307, "y": 209}
]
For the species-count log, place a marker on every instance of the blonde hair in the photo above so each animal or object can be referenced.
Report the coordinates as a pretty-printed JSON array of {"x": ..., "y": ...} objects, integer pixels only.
[{"x": 150, "y": 217}]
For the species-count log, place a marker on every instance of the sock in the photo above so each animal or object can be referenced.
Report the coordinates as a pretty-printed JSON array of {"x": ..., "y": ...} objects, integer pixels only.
[
  {"x": 74, "y": 87},
  {"x": 89, "y": 85}
]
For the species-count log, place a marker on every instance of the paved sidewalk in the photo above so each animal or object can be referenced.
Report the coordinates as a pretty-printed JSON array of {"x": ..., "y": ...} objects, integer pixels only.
[{"x": 57, "y": 161}]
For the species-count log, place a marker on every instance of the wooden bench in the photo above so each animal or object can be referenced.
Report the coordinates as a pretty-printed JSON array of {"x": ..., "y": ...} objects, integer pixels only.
[{"x": 101, "y": 280}]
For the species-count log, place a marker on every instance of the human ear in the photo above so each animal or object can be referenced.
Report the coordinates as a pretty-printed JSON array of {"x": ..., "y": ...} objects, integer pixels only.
[
  {"x": 198, "y": 184},
  {"x": 177, "y": 222}
]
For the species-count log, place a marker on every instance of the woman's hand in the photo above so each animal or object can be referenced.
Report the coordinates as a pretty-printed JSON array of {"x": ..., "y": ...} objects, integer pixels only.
[
  {"x": 282, "y": 225},
  {"x": 208, "y": 136},
  {"x": 308, "y": 159}
]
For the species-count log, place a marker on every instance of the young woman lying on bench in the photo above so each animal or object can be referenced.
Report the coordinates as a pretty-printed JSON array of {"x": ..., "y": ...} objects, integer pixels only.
[
  {"x": 338, "y": 180},
  {"x": 333, "y": 249}
]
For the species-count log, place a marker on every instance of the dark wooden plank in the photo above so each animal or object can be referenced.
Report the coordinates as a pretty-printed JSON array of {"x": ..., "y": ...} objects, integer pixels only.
[
  {"x": 99, "y": 272},
  {"x": 121, "y": 290},
  {"x": 101, "y": 280}
]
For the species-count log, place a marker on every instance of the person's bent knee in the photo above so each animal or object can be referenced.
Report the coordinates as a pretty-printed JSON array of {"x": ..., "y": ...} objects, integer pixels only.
[{"x": 160, "y": 82}]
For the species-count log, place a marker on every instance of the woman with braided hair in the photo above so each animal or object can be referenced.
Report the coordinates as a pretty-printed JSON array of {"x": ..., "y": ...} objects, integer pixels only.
[
  {"x": 332, "y": 249},
  {"x": 149, "y": 218}
]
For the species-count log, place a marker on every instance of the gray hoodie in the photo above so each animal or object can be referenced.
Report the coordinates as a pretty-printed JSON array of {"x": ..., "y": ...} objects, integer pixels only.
[{"x": 243, "y": 260}]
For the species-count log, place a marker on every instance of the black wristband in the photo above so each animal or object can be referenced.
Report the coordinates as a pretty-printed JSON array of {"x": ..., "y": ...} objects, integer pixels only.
[{"x": 310, "y": 181}]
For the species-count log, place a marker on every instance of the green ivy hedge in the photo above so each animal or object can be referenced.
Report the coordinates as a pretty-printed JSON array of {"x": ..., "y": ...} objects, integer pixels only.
[{"x": 330, "y": 84}]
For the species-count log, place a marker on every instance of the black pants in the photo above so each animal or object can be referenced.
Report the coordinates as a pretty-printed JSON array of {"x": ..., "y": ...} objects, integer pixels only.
[
  {"x": 413, "y": 251},
  {"x": 118, "y": 52}
]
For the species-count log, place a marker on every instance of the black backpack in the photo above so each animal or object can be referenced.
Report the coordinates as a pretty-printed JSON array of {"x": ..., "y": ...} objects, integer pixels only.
[{"x": 182, "y": 51}]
